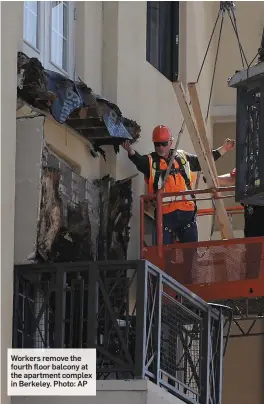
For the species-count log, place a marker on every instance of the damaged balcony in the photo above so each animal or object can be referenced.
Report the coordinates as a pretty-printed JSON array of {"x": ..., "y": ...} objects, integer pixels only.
[
  {"x": 72, "y": 103},
  {"x": 67, "y": 216},
  {"x": 62, "y": 216},
  {"x": 124, "y": 309}
]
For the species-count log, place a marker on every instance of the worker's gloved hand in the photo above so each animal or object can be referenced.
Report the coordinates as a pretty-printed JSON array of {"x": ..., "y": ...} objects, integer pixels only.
[
  {"x": 127, "y": 146},
  {"x": 229, "y": 144}
]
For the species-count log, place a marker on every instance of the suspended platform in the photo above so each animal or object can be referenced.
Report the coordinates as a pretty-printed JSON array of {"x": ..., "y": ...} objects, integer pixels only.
[{"x": 229, "y": 271}]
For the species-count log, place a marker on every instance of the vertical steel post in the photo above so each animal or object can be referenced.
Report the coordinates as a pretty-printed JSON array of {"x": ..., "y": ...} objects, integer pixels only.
[
  {"x": 92, "y": 308},
  {"x": 205, "y": 358},
  {"x": 159, "y": 222},
  {"x": 60, "y": 307},
  {"x": 141, "y": 323},
  {"x": 157, "y": 335}
]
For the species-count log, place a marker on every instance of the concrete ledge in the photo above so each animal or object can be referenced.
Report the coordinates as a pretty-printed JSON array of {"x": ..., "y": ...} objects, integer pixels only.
[
  {"x": 247, "y": 74},
  {"x": 112, "y": 392},
  {"x": 122, "y": 385}
]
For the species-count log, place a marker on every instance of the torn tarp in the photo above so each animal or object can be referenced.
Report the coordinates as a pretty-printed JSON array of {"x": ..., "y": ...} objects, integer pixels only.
[{"x": 68, "y": 98}]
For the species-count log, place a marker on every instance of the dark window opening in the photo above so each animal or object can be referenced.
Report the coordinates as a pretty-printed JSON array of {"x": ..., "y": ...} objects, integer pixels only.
[{"x": 163, "y": 37}]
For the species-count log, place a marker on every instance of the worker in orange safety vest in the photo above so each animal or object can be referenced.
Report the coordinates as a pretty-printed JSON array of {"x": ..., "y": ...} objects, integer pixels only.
[
  {"x": 179, "y": 213},
  {"x": 253, "y": 214}
]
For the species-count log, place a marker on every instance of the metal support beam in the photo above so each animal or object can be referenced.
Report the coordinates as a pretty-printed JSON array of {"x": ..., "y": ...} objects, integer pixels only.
[{"x": 202, "y": 152}]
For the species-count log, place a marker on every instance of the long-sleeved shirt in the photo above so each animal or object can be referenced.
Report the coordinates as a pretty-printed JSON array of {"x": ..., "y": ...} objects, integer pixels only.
[{"x": 142, "y": 161}]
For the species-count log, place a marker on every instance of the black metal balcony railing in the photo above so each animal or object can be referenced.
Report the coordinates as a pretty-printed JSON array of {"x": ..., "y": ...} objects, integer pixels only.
[{"x": 141, "y": 321}]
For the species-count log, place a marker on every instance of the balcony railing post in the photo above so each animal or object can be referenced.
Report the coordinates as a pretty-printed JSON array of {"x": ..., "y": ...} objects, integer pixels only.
[
  {"x": 141, "y": 324},
  {"x": 218, "y": 354},
  {"x": 92, "y": 309},
  {"x": 205, "y": 358},
  {"x": 60, "y": 307},
  {"x": 157, "y": 332}
]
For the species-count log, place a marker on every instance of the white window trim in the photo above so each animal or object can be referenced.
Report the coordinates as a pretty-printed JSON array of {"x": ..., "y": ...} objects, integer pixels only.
[
  {"x": 44, "y": 32},
  {"x": 30, "y": 49}
]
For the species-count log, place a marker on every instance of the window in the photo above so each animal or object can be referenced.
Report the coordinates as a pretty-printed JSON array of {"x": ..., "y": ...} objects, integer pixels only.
[
  {"x": 31, "y": 23},
  {"x": 49, "y": 34},
  {"x": 163, "y": 37},
  {"x": 60, "y": 34}
]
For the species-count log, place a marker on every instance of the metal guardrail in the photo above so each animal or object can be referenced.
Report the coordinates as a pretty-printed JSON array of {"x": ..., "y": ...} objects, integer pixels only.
[{"x": 142, "y": 322}]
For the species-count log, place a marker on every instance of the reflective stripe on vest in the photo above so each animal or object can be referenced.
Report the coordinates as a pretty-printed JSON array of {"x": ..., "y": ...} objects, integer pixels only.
[{"x": 169, "y": 199}]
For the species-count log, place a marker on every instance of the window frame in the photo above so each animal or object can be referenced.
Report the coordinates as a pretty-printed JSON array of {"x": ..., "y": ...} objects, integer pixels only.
[
  {"x": 171, "y": 62},
  {"x": 29, "y": 49},
  {"x": 45, "y": 37}
]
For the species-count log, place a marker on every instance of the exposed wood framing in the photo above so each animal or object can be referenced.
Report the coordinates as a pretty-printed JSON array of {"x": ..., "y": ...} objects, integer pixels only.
[
  {"x": 28, "y": 111},
  {"x": 199, "y": 139}
]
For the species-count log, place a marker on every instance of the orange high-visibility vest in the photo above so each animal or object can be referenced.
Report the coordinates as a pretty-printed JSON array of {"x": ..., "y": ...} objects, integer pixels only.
[{"x": 175, "y": 183}]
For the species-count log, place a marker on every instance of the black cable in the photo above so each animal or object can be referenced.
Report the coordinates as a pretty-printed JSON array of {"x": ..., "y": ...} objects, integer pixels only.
[
  {"x": 234, "y": 24},
  {"x": 224, "y": 6},
  {"x": 255, "y": 57},
  {"x": 236, "y": 30},
  {"x": 208, "y": 46},
  {"x": 216, "y": 57}
]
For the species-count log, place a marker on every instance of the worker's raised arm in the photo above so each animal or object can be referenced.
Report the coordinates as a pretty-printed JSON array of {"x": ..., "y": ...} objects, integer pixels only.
[
  {"x": 226, "y": 180},
  {"x": 141, "y": 162},
  {"x": 228, "y": 145}
]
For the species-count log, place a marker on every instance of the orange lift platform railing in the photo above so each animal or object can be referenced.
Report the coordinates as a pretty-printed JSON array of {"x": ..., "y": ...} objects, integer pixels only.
[{"x": 227, "y": 270}]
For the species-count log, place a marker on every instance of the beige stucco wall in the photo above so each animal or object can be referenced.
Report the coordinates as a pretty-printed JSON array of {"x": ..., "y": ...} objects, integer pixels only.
[
  {"x": 200, "y": 19},
  {"x": 29, "y": 136},
  {"x": 243, "y": 371},
  {"x": 10, "y": 12},
  {"x": 249, "y": 16},
  {"x": 89, "y": 31}
]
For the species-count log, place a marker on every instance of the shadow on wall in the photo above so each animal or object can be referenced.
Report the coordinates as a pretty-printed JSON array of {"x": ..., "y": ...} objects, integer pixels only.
[{"x": 79, "y": 220}]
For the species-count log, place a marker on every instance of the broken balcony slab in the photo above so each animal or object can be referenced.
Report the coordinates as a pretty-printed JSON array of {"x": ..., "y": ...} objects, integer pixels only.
[{"x": 73, "y": 103}]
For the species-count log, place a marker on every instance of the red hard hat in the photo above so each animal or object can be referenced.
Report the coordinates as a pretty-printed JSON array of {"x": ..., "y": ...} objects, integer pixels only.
[{"x": 161, "y": 134}]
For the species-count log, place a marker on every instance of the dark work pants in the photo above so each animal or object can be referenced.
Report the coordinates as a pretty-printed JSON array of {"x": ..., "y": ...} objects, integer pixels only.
[
  {"x": 176, "y": 224},
  {"x": 181, "y": 224}
]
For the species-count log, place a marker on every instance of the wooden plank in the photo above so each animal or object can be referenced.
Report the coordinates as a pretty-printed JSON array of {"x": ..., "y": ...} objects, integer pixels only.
[
  {"x": 201, "y": 128},
  {"x": 225, "y": 226},
  {"x": 196, "y": 140}
]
